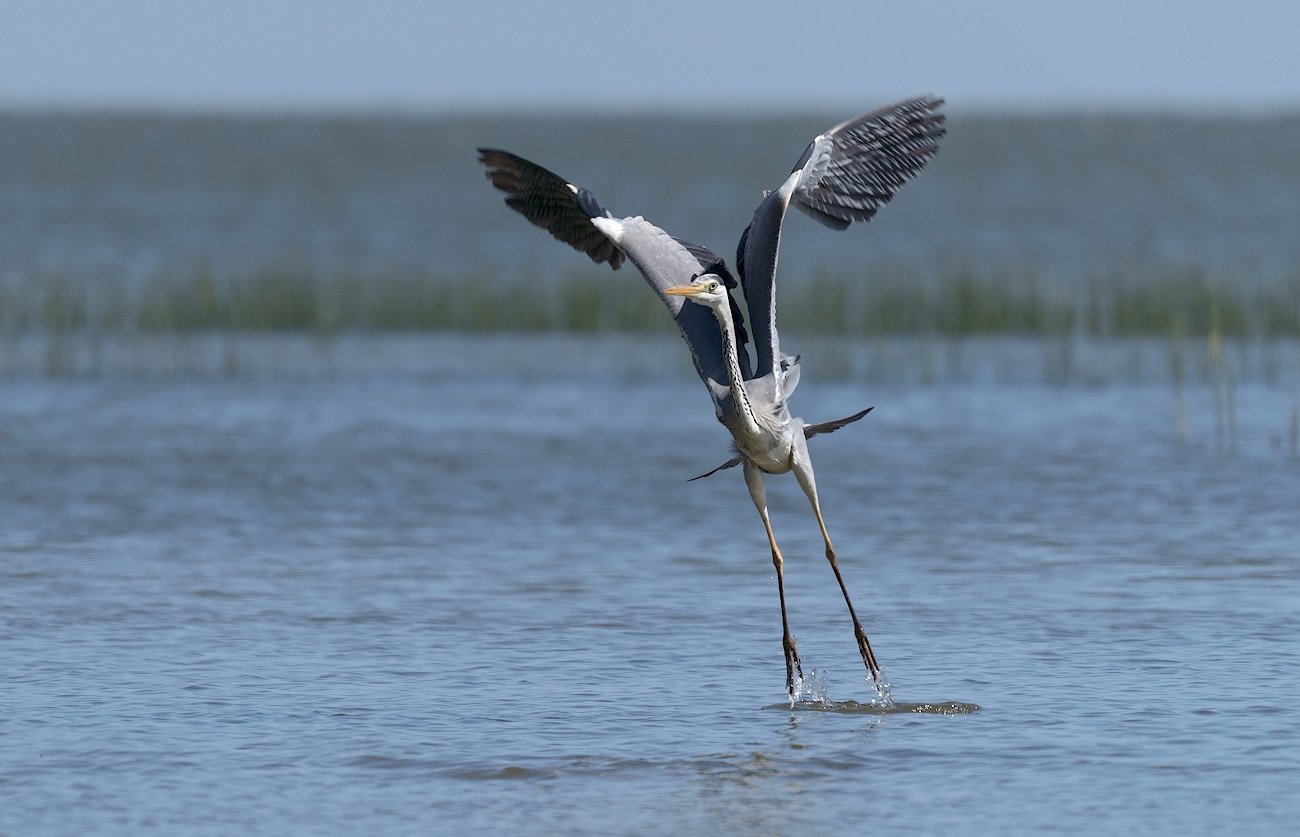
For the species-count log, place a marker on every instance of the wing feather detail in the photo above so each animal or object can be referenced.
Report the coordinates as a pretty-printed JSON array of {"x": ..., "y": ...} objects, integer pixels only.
[
  {"x": 869, "y": 158},
  {"x": 550, "y": 202},
  {"x": 844, "y": 175}
]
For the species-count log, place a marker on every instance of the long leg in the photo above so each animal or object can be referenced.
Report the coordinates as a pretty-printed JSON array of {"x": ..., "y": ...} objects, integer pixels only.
[
  {"x": 803, "y": 472},
  {"x": 754, "y": 479}
]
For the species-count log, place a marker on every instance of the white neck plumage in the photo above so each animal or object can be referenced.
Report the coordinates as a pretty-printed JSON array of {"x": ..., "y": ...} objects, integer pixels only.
[{"x": 735, "y": 377}]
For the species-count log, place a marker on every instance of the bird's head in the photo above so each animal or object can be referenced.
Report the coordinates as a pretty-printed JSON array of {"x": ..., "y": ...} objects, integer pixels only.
[{"x": 706, "y": 289}]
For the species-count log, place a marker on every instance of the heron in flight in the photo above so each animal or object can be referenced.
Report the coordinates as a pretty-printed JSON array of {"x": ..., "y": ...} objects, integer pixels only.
[{"x": 844, "y": 175}]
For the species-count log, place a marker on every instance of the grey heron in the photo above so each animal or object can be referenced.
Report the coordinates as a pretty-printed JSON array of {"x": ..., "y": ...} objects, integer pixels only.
[{"x": 844, "y": 175}]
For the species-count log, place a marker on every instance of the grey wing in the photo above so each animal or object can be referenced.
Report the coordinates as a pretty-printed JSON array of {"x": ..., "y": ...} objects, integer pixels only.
[
  {"x": 711, "y": 262},
  {"x": 844, "y": 175},
  {"x": 866, "y": 160},
  {"x": 573, "y": 215},
  {"x": 665, "y": 261}
]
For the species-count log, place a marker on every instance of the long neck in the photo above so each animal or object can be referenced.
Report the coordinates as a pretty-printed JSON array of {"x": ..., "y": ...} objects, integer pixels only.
[{"x": 734, "y": 376}]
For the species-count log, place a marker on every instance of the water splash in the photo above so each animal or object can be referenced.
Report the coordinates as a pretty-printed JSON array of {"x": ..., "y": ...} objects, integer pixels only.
[
  {"x": 881, "y": 687},
  {"x": 810, "y": 690},
  {"x": 810, "y": 694}
]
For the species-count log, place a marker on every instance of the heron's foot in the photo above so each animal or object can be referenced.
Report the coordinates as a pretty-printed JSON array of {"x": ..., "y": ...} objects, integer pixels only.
[
  {"x": 792, "y": 667},
  {"x": 868, "y": 656}
]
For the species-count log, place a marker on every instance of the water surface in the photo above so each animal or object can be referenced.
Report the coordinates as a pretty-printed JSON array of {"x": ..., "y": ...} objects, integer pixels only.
[
  {"x": 458, "y": 590},
  {"x": 345, "y": 580}
]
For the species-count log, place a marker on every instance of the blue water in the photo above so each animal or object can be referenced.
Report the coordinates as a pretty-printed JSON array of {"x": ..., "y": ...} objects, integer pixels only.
[{"x": 420, "y": 585}]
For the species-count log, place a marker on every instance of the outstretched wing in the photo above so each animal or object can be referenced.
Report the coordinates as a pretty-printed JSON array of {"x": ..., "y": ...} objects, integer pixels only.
[
  {"x": 856, "y": 167},
  {"x": 844, "y": 175},
  {"x": 573, "y": 215},
  {"x": 545, "y": 199}
]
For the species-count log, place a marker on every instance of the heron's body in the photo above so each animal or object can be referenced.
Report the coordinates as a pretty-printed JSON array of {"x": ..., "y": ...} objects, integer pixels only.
[
  {"x": 844, "y": 175},
  {"x": 766, "y": 437},
  {"x": 753, "y": 409}
]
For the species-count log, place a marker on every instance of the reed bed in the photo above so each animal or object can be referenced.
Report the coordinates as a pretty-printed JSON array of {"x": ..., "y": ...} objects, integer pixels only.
[{"x": 959, "y": 303}]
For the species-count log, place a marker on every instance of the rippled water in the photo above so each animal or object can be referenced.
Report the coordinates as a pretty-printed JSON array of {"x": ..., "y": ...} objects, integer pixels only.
[{"x": 407, "y": 597}]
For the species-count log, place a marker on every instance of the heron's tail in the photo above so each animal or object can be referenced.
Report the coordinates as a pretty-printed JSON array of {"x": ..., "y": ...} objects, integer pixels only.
[
  {"x": 730, "y": 463},
  {"x": 809, "y": 430}
]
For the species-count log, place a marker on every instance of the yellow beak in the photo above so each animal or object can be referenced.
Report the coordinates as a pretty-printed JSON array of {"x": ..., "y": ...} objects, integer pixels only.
[{"x": 689, "y": 289}]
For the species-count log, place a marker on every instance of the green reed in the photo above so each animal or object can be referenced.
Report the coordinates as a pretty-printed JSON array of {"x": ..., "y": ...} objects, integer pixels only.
[{"x": 958, "y": 303}]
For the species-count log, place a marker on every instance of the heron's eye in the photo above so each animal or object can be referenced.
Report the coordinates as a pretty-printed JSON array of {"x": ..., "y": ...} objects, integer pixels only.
[{"x": 713, "y": 286}]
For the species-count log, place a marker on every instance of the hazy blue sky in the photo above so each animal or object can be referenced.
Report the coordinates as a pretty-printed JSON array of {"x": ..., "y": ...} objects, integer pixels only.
[{"x": 495, "y": 54}]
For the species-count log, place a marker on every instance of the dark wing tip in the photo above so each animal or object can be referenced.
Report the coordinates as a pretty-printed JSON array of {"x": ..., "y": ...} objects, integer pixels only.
[{"x": 548, "y": 201}]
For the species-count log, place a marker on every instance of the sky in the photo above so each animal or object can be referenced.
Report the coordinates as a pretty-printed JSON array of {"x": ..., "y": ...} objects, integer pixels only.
[{"x": 745, "y": 55}]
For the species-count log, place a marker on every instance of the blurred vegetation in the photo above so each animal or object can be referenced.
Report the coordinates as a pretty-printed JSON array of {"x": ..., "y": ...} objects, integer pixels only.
[{"x": 960, "y": 303}]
